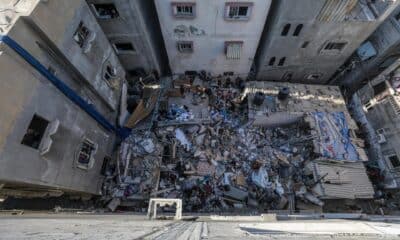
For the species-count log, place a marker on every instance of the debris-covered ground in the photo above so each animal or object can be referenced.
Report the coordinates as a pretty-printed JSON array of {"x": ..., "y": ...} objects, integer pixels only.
[{"x": 203, "y": 149}]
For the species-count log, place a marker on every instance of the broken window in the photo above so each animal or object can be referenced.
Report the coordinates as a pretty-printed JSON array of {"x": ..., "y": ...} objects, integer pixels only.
[
  {"x": 185, "y": 47},
  {"x": 272, "y": 61},
  {"x": 233, "y": 50},
  {"x": 285, "y": 29},
  {"x": 81, "y": 34},
  {"x": 335, "y": 46},
  {"x": 125, "y": 47},
  {"x": 381, "y": 91},
  {"x": 238, "y": 11},
  {"x": 105, "y": 167},
  {"x": 282, "y": 61},
  {"x": 298, "y": 30},
  {"x": 379, "y": 88},
  {"x": 394, "y": 160},
  {"x": 109, "y": 72},
  {"x": 184, "y": 9},
  {"x": 106, "y": 10},
  {"x": 35, "y": 132},
  {"x": 86, "y": 152}
]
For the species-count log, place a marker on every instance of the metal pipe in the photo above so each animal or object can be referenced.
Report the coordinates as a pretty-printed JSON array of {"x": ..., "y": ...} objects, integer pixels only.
[{"x": 60, "y": 85}]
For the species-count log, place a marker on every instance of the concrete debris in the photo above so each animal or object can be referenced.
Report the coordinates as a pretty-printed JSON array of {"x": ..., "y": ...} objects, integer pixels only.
[
  {"x": 215, "y": 158},
  {"x": 114, "y": 204}
]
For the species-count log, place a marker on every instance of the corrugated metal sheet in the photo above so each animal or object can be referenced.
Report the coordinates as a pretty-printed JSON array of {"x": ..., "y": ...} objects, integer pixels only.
[
  {"x": 343, "y": 180},
  {"x": 233, "y": 50},
  {"x": 336, "y": 10}
]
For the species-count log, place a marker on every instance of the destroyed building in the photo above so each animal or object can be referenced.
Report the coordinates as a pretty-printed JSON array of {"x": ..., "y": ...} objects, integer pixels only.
[
  {"x": 271, "y": 146},
  {"x": 206, "y": 107}
]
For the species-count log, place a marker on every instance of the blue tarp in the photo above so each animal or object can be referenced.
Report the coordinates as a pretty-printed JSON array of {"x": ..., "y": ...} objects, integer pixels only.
[{"x": 335, "y": 141}]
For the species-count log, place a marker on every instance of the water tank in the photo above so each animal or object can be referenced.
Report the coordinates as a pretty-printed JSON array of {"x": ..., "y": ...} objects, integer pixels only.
[
  {"x": 283, "y": 93},
  {"x": 258, "y": 99}
]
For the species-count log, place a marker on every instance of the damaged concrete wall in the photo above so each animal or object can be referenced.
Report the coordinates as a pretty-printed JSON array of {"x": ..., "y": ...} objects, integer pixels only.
[
  {"x": 306, "y": 57},
  {"x": 209, "y": 30},
  {"x": 25, "y": 93},
  {"x": 384, "y": 118},
  {"x": 93, "y": 57}
]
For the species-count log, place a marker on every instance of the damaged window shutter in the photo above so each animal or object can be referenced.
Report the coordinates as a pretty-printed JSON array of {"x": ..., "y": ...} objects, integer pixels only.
[{"x": 47, "y": 142}]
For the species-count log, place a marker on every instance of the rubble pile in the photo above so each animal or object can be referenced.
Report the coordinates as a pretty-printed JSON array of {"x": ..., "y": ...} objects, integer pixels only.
[
  {"x": 219, "y": 167},
  {"x": 225, "y": 163},
  {"x": 136, "y": 173}
]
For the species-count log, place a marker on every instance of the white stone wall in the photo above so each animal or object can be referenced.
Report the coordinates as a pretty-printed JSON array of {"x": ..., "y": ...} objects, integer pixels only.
[{"x": 209, "y": 30}]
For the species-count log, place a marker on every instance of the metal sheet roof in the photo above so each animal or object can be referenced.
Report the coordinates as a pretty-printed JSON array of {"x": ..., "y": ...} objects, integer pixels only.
[
  {"x": 336, "y": 10},
  {"x": 343, "y": 180}
]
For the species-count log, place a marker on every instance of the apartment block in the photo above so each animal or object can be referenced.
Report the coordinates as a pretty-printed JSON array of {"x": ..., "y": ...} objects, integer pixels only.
[
  {"x": 307, "y": 41},
  {"x": 59, "y": 93},
  {"x": 133, "y": 29},
  {"x": 216, "y": 36},
  {"x": 380, "y": 100},
  {"x": 377, "y": 53}
]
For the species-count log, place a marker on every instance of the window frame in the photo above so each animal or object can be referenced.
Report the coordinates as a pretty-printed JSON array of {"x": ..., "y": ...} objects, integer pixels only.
[
  {"x": 175, "y": 5},
  {"x": 238, "y": 5},
  {"x": 297, "y": 31},
  {"x": 330, "y": 47},
  {"x": 111, "y": 75},
  {"x": 41, "y": 131},
  {"x": 93, "y": 5},
  {"x": 272, "y": 61},
  {"x": 227, "y": 43},
  {"x": 390, "y": 161},
  {"x": 287, "y": 76},
  {"x": 305, "y": 44},
  {"x": 281, "y": 62},
  {"x": 90, "y": 163},
  {"x": 184, "y": 50},
  {"x": 309, "y": 77},
  {"x": 286, "y": 29},
  {"x": 85, "y": 36},
  {"x": 118, "y": 51}
]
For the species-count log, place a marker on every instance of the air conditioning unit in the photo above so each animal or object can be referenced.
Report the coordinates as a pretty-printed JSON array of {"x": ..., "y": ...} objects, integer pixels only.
[{"x": 381, "y": 138}]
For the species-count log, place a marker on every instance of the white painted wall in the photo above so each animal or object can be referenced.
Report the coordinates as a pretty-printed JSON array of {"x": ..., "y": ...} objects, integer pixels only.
[{"x": 209, "y": 47}]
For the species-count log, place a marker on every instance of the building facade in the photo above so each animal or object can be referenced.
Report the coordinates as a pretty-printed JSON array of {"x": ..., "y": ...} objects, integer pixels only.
[
  {"x": 49, "y": 143},
  {"x": 217, "y": 36},
  {"x": 133, "y": 29},
  {"x": 380, "y": 99},
  {"x": 378, "y": 52},
  {"x": 307, "y": 41}
]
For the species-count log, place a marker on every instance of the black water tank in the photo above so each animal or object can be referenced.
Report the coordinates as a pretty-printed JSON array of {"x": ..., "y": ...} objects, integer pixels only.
[
  {"x": 258, "y": 99},
  {"x": 283, "y": 93}
]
